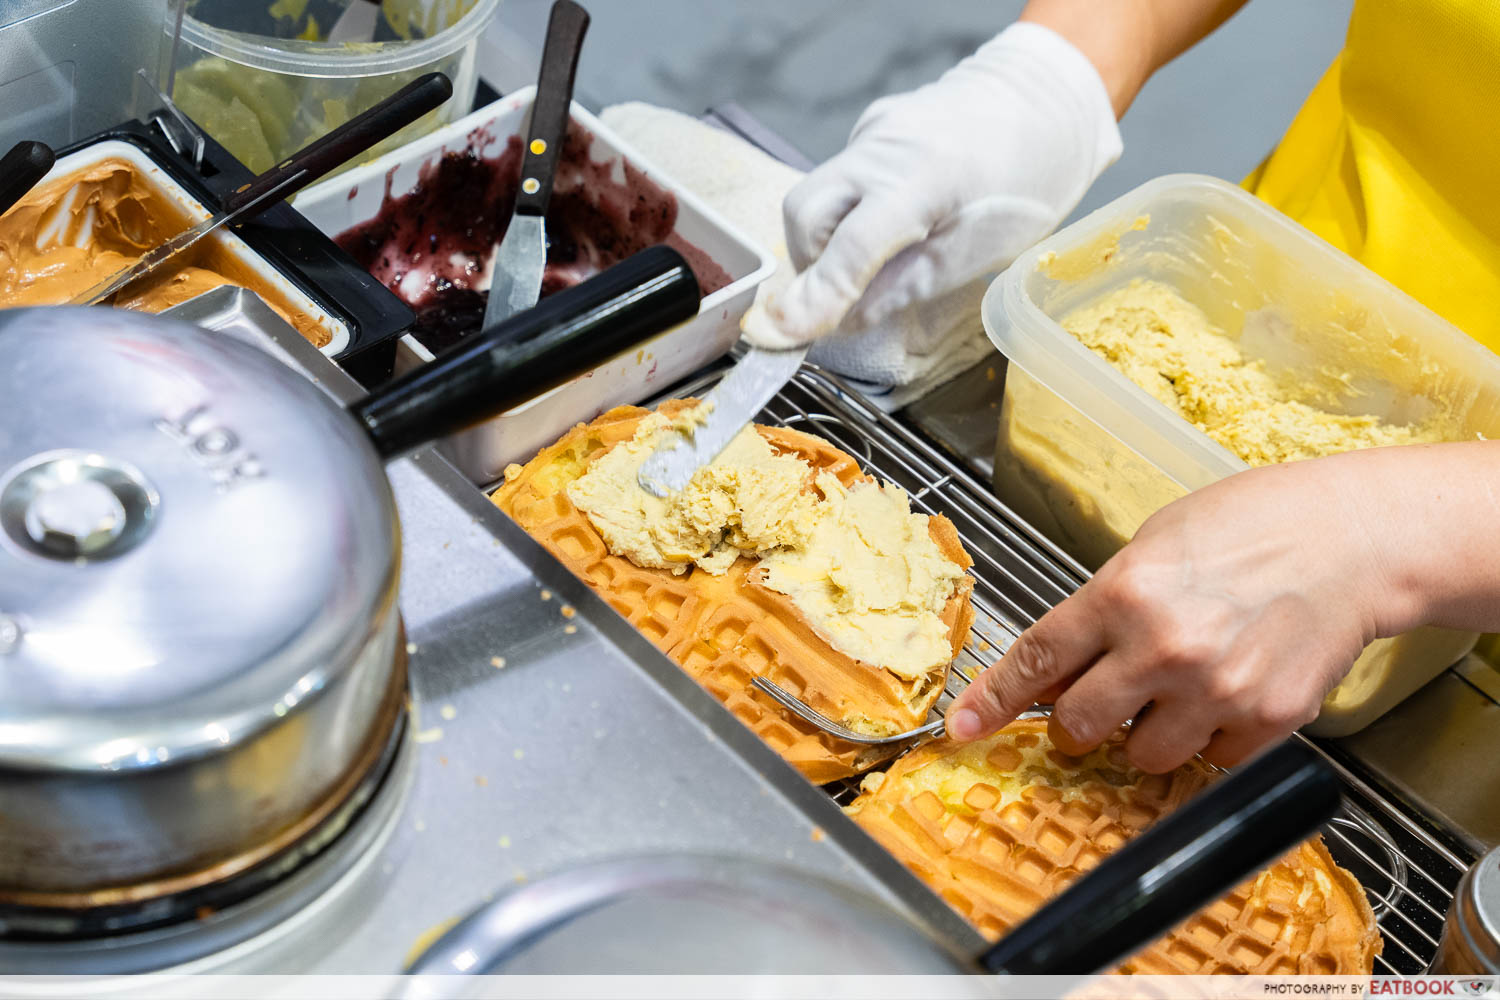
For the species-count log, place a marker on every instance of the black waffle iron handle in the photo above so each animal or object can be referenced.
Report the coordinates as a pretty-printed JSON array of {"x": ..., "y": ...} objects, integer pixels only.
[
  {"x": 564, "y": 336},
  {"x": 22, "y": 169},
  {"x": 1185, "y": 861}
]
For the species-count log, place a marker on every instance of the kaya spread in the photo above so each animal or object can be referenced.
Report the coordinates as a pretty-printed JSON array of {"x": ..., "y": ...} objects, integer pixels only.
[
  {"x": 1166, "y": 345},
  {"x": 71, "y": 233},
  {"x": 857, "y": 563}
]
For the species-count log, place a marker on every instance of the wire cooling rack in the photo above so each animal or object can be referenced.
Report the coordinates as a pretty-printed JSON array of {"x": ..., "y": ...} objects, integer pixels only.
[{"x": 1408, "y": 875}]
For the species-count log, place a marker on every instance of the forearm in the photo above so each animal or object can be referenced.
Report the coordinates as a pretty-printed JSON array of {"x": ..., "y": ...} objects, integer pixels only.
[
  {"x": 1128, "y": 40},
  {"x": 1432, "y": 514}
]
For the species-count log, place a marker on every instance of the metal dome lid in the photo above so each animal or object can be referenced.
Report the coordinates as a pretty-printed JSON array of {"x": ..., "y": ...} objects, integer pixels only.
[{"x": 193, "y": 540}]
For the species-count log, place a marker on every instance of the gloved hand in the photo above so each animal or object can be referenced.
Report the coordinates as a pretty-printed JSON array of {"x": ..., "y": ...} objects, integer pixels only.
[{"x": 940, "y": 188}]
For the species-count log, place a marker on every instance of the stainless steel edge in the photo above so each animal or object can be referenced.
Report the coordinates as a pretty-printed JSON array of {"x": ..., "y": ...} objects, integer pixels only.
[
  {"x": 900, "y": 884},
  {"x": 545, "y": 732}
]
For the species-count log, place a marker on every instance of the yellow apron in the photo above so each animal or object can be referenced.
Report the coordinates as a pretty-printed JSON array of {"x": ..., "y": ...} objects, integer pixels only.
[{"x": 1395, "y": 157}]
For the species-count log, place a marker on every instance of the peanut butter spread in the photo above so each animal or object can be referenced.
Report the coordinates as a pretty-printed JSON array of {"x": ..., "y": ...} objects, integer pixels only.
[
  {"x": 1167, "y": 346},
  {"x": 857, "y": 563},
  {"x": 71, "y": 233}
]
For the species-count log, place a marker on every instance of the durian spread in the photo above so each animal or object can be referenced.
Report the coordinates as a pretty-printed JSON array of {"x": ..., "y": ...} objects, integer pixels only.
[
  {"x": 1167, "y": 346},
  {"x": 858, "y": 564}
]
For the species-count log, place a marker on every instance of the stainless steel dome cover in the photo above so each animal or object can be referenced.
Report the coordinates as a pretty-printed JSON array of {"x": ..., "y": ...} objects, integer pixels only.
[{"x": 193, "y": 540}]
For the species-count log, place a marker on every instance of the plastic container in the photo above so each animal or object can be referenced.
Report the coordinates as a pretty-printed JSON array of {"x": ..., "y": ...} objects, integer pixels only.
[
  {"x": 270, "y": 282},
  {"x": 483, "y": 452},
  {"x": 1085, "y": 455},
  {"x": 247, "y": 74}
]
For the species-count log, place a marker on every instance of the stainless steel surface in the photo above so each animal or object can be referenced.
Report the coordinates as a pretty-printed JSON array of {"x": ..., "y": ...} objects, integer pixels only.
[
  {"x": 1408, "y": 873},
  {"x": 516, "y": 269},
  {"x": 1471, "y": 937},
  {"x": 159, "y": 255},
  {"x": 1479, "y": 674},
  {"x": 963, "y": 414},
  {"x": 683, "y": 915},
  {"x": 546, "y": 733},
  {"x": 732, "y": 403},
  {"x": 1436, "y": 750},
  {"x": 799, "y": 707},
  {"x": 206, "y": 681},
  {"x": 242, "y": 314}
]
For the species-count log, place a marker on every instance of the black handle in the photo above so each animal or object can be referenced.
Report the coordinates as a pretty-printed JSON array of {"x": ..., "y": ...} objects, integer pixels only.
[
  {"x": 1167, "y": 873},
  {"x": 21, "y": 168},
  {"x": 549, "y": 109},
  {"x": 348, "y": 140},
  {"x": 566, "y": 335}
]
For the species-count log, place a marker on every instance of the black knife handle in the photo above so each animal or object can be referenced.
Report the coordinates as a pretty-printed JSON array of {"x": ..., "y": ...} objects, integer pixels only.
[
  {"x": 566, "y": 335},
  {"x": 21, "y": 169},
  {"x": 1186, "y": 860},
  {"x": 348, "y": 140},
  {"x": 549, "y": 109}
]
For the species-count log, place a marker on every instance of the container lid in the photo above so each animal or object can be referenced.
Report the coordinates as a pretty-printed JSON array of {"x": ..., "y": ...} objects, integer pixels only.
[
  {"x": 193, "y": 539},
  {"x": 69, "y": 67},
  {"x": 685, "y": 914},
  {"x": 1478, "y": 910}
]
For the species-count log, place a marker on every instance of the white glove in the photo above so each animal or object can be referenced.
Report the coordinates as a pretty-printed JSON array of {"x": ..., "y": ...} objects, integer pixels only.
[{"x": 939, "y": 189}]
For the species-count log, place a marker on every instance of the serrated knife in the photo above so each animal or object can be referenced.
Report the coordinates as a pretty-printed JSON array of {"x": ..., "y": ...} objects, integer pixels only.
[{"x": 733, "y": 403}]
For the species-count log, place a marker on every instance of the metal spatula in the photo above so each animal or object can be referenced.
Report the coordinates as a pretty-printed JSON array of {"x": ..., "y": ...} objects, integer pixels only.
[
  {"x": 520, "y": 258},
  {"x": 757, "y": 377}
]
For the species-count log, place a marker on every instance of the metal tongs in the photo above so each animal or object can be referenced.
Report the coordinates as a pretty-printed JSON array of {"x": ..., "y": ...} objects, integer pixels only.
[
  {"x": 806, "y": 712},
  {"x": 801, "y": 709}
]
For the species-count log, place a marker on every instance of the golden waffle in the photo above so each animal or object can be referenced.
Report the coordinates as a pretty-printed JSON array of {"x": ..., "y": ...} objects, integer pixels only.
[
  {"x": 998, "y": 826},
  {"x": 726, "y": 630}
]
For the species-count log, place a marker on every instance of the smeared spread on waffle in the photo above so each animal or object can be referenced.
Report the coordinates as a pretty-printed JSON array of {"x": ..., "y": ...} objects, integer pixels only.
[
  {"x": 781, "y": 560},
  {"x": 998, "y": 826}
]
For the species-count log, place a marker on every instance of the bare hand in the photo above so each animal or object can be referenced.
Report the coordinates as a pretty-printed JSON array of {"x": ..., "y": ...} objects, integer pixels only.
[{"x": 1231, "y": 614}]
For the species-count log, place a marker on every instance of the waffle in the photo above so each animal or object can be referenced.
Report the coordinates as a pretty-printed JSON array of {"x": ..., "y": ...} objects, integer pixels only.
[
  {"x": 726, "y": 630},
  {"x": 998, "y": 826}
]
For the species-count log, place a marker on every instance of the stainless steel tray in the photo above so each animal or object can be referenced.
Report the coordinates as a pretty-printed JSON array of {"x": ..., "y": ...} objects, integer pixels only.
[
  {"x": 1408, "y": 873},
  {"x": 541, "y": 739},
  {"x": 544, "y": 732}
]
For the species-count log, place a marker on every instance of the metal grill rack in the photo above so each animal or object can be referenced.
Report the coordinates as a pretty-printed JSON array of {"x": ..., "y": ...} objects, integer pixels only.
[{"x": 1408, "y": 875}]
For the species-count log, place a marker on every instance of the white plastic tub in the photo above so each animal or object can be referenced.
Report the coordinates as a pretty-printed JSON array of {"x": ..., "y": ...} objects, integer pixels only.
[
  {"x": 1086, "y": 455},
  {"x": 483, "y": 452},
  {"x": 291, "y": 297}
]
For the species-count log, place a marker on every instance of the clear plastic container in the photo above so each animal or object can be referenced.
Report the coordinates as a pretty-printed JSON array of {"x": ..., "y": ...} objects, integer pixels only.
[
  {"x": 259, "y": 77},
  {"x": 1086, "y": 455}
]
